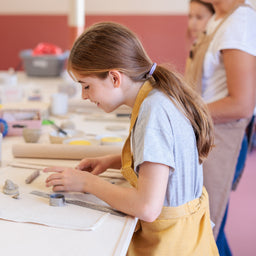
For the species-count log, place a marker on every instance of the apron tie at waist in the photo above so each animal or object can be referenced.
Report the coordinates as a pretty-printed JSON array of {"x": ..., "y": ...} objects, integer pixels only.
[{"x": 185, "y": 209}]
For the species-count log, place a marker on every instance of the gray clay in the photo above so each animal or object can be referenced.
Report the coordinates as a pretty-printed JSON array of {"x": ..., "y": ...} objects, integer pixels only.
[
  {"x": 10, "y": 188},
  {"x": 32, "y": 177},
  {"x": 16, "y": 196}
]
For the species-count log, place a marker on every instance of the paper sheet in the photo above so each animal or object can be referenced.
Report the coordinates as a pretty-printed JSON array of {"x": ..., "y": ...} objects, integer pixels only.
[{"x": 34, "y": 209}]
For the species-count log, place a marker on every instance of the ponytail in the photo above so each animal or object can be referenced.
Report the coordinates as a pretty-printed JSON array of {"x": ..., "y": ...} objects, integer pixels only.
[{"x": 190, "y": 103}]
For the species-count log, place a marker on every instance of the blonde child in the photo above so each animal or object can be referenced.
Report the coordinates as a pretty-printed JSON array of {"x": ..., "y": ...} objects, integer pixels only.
[{"x": 170, "y": 135}]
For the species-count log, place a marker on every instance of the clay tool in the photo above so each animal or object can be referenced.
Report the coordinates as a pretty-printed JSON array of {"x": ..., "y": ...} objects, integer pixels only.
[
  {"x": 59, "y": 129},
  {"x": 32, "y": 176},
  {"x": 82, "y": 204}
]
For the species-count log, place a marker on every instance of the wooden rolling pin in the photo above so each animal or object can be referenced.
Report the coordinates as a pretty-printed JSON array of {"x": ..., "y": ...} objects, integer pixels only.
[{"x": 62, "y": 151}]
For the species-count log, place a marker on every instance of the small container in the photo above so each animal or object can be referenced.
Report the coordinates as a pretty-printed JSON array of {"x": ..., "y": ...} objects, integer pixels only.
[
  {"x": 31, "y": 118},
  {"x": 31, "y": 135},
  {"x": 56, "y": 137},
  {"x": 57, "y": 200},
  {"x": 59, "y": 104},
  {"x": 111, "y": 141},
  {"x": 78, "y": 141}
]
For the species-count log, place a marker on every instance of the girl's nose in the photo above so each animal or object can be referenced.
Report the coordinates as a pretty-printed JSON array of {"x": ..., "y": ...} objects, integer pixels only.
[{"x": 84, "y": 95}]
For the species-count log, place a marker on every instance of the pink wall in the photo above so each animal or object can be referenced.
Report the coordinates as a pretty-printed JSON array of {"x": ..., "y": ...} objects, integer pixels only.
[{"x": 164, "y": 37}]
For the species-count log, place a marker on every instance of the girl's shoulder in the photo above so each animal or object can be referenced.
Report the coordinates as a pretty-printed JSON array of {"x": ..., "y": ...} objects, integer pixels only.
[
  {"x": 157, "y": 100},
  {"x": 159, "y": 106}
]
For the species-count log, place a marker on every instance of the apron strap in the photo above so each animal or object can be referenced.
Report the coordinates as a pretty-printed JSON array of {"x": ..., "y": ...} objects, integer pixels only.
[
  {"x": 127, "y": 159},
  {"x": 194, "y": 64}
]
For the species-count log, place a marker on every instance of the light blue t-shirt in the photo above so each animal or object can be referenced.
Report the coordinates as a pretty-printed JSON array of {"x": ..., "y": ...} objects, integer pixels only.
[{"x": 162, "y": 134}]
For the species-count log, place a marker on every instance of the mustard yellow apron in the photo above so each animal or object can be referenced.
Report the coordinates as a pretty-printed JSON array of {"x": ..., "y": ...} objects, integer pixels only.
[
  {"x": 184, "y": 230},
  {"x": 219, "y": 167}
]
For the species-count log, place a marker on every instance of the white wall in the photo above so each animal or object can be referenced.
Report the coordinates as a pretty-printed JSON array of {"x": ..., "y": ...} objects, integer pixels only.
[{"x": 95, "y": 6}]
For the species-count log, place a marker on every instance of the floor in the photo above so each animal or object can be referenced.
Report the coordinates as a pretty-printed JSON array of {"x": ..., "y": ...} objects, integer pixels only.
[{"x": 241, "y": 222}]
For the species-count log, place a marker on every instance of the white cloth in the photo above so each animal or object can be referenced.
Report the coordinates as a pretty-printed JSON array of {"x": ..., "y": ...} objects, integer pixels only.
[
  {"x": 233, "y": 34},
  {"x": 35, "y": 209}
]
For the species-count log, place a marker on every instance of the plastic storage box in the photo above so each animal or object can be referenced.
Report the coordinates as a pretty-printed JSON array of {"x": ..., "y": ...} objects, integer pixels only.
[
  {"x": 17, "y": 119},
  {"x": 43, "y": 65}
]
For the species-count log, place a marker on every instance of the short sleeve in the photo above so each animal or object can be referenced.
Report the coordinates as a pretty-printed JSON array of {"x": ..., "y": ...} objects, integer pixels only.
[
  {"x": 239, "y": 31},
  {"x": 153, "y": 136}
]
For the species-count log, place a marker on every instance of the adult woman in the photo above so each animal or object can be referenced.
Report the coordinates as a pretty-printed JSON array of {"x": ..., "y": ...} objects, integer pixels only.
[{"x": 222, "y": 69}]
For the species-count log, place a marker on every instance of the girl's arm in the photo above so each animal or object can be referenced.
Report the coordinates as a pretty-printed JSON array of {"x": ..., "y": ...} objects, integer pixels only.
[
  {"x": 240, "y": 70},
  {"x": 144, "y": 202}
]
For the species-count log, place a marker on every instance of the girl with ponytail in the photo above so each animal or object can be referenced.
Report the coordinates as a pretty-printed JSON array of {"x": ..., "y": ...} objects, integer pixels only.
[{"x": 170, "y": 136}]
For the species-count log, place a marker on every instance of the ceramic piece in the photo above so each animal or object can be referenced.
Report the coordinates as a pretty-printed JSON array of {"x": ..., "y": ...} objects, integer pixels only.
[
  {"x": 68, "y": 125},
  {"x": 58, "y": 137},
  {"x": 10, "y": 188},
  {"x": 31, "y": 135}
]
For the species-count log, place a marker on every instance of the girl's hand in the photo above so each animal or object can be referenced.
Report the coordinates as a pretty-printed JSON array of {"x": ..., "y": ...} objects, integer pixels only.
[
  {"x": 94, "y": 165},
  {"x": 100, "y": 164},
  {"x": 67, "y": 179}
]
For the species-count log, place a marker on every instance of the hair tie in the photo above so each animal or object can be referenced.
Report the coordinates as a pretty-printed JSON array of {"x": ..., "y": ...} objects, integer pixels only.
[{"x": 152, "y": 70}]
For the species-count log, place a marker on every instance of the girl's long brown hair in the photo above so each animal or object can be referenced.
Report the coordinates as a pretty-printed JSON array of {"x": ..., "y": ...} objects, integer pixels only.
[{"x": 106, "y": 46}]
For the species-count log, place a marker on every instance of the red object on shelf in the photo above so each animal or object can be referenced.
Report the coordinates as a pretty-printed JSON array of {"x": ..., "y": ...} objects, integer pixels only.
[{"x": 46, "y": 48}]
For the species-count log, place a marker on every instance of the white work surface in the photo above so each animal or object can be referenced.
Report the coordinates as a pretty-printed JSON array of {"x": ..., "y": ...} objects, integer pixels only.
[{"x": 111, "y": 237}]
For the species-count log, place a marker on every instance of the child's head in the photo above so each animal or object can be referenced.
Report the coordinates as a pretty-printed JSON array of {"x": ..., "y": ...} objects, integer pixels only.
[
  {"x": 199, "y": 14},
  {"x": 106, "y": 46}
]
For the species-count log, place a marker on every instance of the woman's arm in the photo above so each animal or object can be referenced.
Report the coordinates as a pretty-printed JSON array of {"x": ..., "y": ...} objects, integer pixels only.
[
  {"x": 144, "y": 202},
  {"x": 240, "y": 70}
]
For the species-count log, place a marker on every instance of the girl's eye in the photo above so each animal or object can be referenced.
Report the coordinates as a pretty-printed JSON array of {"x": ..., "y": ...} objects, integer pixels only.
[{"x": 86, "y": 87}]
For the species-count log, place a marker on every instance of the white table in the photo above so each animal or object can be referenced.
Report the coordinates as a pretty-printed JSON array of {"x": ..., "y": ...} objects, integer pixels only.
[{"x": 111, "y": 238}]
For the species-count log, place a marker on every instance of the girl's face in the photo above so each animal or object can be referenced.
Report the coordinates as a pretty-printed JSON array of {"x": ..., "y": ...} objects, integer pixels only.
[
  {"x": 103, "y": 92},
  {"x": 197, "y": 19}
]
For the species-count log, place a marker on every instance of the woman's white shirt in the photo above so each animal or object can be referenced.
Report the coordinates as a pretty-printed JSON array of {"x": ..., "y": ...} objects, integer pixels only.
[{"x": 237, "y": 32}]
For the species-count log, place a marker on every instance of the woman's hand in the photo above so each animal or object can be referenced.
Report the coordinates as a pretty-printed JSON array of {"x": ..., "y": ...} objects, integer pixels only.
[{"x": 67, "y": 179}]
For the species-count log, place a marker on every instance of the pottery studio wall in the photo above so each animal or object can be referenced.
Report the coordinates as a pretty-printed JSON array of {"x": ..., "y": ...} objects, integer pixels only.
[{"x": 161, "y": 25}]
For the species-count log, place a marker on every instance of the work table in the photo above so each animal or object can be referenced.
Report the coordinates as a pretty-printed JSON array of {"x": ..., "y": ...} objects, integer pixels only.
[{"x": 112, "y": 237}]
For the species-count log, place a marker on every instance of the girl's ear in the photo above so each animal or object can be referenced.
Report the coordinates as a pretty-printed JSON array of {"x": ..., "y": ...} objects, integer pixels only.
[{"x": 116, "y": 78}]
